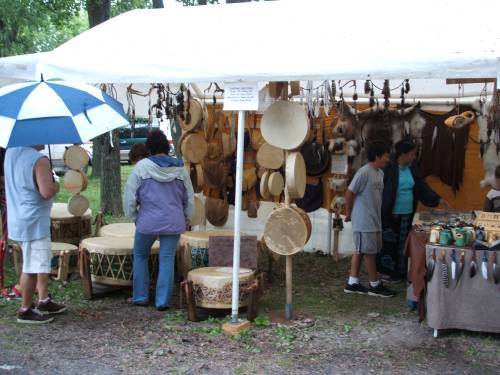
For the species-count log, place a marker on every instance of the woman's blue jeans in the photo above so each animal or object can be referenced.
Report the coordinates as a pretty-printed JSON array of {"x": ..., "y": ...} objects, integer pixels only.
[{"x": 165, "y": 282}]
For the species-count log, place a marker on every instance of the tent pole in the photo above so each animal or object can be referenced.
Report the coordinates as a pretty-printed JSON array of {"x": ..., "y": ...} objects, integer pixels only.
[{"x": 237, "y": 215}]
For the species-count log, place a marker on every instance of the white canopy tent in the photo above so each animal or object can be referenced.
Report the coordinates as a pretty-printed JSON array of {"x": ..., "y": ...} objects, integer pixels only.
[
  {"x": 278, "y": 41},
  {"x": 281, "y": 40}
]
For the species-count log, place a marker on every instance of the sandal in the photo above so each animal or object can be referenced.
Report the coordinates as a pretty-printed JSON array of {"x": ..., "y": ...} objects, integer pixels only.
[{"x": 14, "y": 293}]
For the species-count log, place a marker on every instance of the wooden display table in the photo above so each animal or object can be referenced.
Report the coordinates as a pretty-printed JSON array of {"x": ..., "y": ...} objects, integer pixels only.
[{"x": 471, "y": 304}]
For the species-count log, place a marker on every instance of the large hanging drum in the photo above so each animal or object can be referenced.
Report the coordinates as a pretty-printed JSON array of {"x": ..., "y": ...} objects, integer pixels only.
[
  {"x": 118, "y": 230},
  {"x": 67, "y": 228},
  {"x": 285, "y": 232},
  {"x": 285, "y": 125},
  {"x": 111, "y": 259},
  {"x": 213, "y": 286}
]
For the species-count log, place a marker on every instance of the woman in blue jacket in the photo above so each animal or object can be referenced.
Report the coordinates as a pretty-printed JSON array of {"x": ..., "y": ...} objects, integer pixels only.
[
  {"x": 403, "y": 189},
  {"x": 159, "y": 198}
]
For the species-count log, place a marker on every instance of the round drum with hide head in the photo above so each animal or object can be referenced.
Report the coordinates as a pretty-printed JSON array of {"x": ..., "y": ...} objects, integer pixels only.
[
  {"x": 296, "y": 175},
  {"x": 195, "y": 115},
  {"x": 264, "y": 185},
  {"x": 264, "y": 210},
  {"x": 285, "y": 231},
  {"x": 75, "y": 157},
  {"x": 275, "y": 183},
  {"x": 213, "y": 286},
  {"x": 78, "y": 205},
  {"x": 118, "y": 230},
  {"x": 75, "y": 181},
  {"x": 270, "y": 157},
  {"x": 67, "y": 228},
  {"x": 194, "y": 147},
  {"x": 199, "y": 212},
  {"x": 285, "y": 125},
  {"x": 111, "y": 259}
]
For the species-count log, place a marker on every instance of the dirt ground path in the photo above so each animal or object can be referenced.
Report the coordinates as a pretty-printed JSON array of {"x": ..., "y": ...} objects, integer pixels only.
[{"x": 333, "y": 333}]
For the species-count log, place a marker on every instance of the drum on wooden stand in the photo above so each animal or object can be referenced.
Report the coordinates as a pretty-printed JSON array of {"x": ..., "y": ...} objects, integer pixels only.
[
  {"x": 67, "y": 228},
  {"x": 212, "y": 286},
  {"x": 63, "y": 261},
  {"x": 108, "y": 261}
]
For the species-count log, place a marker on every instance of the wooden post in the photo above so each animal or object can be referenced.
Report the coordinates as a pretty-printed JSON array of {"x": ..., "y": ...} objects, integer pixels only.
[
  {"x": 288, "y": 306},
  {"x": 85, "y": 273},
  {"x": 254, "y": 298},
  {"x": 62, "y": 272},
  {"x": 190, "y": 300}
]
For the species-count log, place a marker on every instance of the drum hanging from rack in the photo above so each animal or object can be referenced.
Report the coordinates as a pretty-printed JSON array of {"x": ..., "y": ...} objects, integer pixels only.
[
  {"x": 75, "y": 181},
  {"x": 111, "y": 259},
  {"x": 213, "y": 286},
  {"x": 75, "y": 157},
  {"x": 286, "y": 231},
  {"x": 67, "y": 228},
  {"x": 78, "y": 205}
]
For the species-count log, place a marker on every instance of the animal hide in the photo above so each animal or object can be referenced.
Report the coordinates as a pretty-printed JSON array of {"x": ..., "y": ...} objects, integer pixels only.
[{"x": 490, "y": 161}]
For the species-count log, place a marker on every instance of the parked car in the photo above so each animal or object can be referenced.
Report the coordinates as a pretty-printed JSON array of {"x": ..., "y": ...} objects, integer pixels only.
[
  {"x": 57, "y": 152},
  {"x": 129, "y": 137}
]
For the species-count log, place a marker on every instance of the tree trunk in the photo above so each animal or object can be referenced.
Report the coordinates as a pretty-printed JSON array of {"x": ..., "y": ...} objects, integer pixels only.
[
  {"x": 106, "y": 159},
  {"x": 97, "y": 156},
  {"x": 98, "y": 11},
  {"x": 157, "y": 3},
  {"x": 111, "y": 192}
]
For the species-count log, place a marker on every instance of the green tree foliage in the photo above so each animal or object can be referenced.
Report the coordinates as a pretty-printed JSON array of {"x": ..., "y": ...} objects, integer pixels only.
[{"x": 28, "y": 26}]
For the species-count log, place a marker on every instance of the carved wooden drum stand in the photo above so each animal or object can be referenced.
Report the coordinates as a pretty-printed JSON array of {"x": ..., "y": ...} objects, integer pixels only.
[
  {"x": 62, "y": 254},
  {"x": 108, "y": 261}
]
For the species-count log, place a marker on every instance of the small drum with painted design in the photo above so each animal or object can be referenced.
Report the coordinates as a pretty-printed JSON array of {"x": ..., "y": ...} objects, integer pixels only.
[
  {"x": 213, "y": 287},
  {"x": 67, "y": 228},
  {"x": 111, "y": 259}
]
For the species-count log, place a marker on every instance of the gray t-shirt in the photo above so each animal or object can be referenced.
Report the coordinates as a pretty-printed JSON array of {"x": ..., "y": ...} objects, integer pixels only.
[{"x": 367, "y": 185}]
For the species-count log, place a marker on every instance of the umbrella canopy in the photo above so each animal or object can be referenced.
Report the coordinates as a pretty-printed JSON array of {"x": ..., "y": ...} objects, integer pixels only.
[{"x": 54, "y": 112}]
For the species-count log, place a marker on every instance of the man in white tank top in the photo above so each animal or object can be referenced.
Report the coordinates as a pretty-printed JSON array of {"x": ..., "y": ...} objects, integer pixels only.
[{"x": 30, "y": 186}]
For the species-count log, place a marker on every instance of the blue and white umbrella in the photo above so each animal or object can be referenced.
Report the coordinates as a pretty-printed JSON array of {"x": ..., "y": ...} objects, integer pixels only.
[{"x": 56, "y": 112}]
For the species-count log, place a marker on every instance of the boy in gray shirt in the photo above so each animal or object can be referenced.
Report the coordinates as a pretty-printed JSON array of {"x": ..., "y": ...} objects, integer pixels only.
[{"x": 363, "y": 206}]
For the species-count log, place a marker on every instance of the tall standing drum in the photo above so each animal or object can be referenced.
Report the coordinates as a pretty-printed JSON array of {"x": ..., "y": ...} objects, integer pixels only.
[{"x": 67, "y": 228}]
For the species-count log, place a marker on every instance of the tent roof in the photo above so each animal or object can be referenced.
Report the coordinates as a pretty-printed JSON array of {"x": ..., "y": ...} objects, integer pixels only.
[{"x": 280, "y": 40}]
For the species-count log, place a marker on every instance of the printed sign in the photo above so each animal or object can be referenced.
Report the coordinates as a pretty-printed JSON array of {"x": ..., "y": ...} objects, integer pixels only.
[{"x": 241, "y": 96}]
